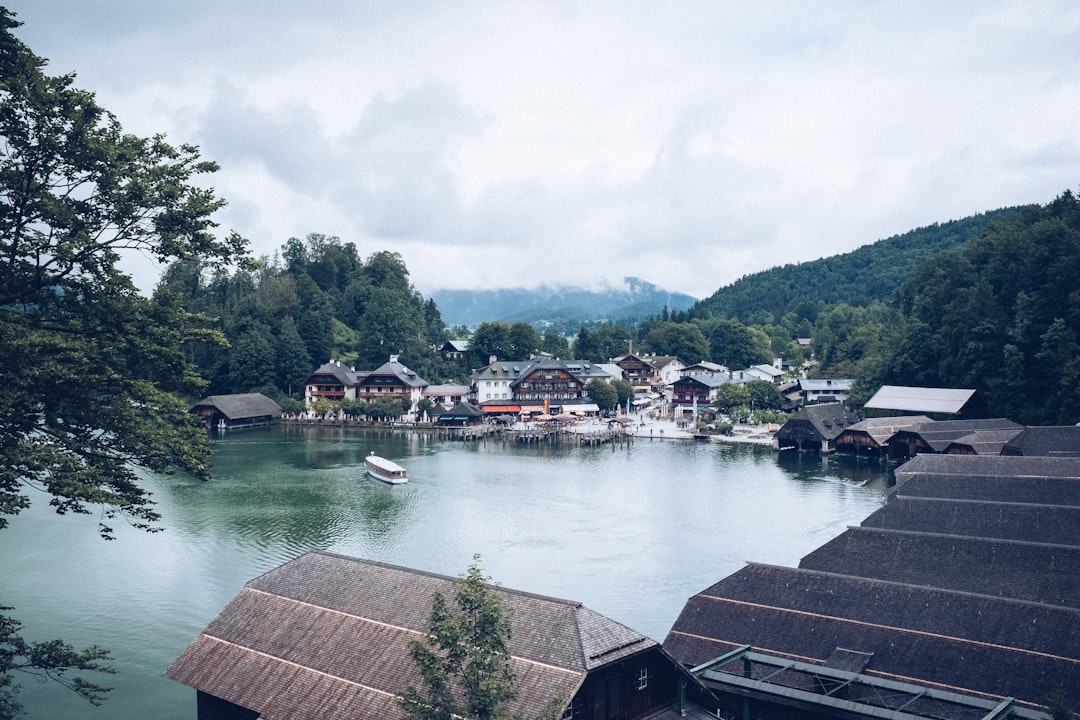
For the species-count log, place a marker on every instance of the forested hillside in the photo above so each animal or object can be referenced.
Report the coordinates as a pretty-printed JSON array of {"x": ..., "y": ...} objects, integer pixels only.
[
  {"x": 1000, "y": 315},
  {"x": 285, "y": 317},
  {"x": 871, "y": 273}
]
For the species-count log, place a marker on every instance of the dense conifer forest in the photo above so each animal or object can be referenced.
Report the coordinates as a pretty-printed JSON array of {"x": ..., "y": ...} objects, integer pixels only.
[{"x": 990, "y": 302}]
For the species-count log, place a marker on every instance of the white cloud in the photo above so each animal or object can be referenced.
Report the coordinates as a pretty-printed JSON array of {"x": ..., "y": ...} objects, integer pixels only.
[{"x": 520, "y": 142}]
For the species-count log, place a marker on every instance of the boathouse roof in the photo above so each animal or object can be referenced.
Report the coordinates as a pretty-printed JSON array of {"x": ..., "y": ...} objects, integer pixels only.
[
  {"x": 1050, "y": 441},
  {"x": 240, "y": 406},
  {"x": 938, "y": 435},
  {"x": 817, "y": 423},
  {"x": 948, "y": 401},
  {"x": 326, "y": 636},
  {"x": 962, "y": 582},
  {"x": 879, "y": 430}
]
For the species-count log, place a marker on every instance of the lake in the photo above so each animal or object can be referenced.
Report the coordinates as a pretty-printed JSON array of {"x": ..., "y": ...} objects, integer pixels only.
[{"x": 629, "y": 530}]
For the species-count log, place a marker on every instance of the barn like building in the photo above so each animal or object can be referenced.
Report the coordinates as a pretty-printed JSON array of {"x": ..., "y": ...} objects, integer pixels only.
[
  {"x": 326, "y": 636},
  {"x": 959, "y": 598}
]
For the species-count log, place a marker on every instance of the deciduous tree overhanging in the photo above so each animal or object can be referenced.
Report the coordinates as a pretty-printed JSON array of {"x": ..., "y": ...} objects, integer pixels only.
[
  {"x": 464, "y": 661},
  {"x": 91, "y": 369}
]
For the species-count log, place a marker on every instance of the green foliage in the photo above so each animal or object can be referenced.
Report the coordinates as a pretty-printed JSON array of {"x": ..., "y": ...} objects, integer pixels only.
[
  {"x": 624, "y": 389},
  {"x": 871, "y": 273},
  {"x": 730, "y": 396},
  {"x": 556, "y": 344},
  {"x": 92, "y": 370},
  {"x": 603, "y": 394},
  {"x": 1001, "y": 316},
  {"x": 684, "y": 340},
  {"x": 602, "y": 343},
  {"x": 464, "y": 661},
  {"x": 734, "y": 345},
  {"x": 52, "y": 660}
]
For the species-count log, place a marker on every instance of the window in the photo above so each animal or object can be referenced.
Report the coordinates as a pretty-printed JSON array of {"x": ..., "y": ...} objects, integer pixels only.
[{"x": 643, "y": 678}]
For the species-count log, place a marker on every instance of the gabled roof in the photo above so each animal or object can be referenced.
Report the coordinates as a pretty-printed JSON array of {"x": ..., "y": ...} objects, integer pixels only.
[
  {"x": 502, "y": 370},
  {"x": 326, "y": 636},
  {"x": 827, "y": 420},
  {"x": 919, "y": 399},
  {"x": 243, "y": 405},
  {"x": 394, "y": 368},
  {"x": 939, "y": 434},
  {"x": 963, "y": 582},
  {"x": 711, "y": 380},
  {"x": 824, "y": 385},
  {"x": 984, "y": 442},
  {"x": 1053, "y": 441},
  {"x": 881, "y": 429},
  {"x": 661, "y": 361},
  {"x": 347, "y": 376},
  {"x": 462, "y": 409}
]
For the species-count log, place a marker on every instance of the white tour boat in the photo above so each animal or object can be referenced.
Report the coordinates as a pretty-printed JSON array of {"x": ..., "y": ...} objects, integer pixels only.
[{"x": 385, "y": 470}]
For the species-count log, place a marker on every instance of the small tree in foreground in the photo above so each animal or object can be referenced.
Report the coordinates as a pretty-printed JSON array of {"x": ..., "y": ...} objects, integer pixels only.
[{"x": 464, "y": 660}]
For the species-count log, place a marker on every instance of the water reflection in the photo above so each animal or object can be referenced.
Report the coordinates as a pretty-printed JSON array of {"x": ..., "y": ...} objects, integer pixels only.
[{"x": 632, "y": 531}]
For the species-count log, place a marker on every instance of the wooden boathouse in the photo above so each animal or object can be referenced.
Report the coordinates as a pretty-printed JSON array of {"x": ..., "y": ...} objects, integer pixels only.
[
  {"x": 959, "y": 598},
  {"x": 231, "y": 412},
  {"x": 815, "y": 428},
  {"x": 326, "y": 636}
]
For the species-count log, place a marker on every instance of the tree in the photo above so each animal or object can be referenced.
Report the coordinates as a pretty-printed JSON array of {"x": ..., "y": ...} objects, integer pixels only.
[
  {"x": 555, "y": 344},
  {"x": 93, "y": 371},
  {"x": 464, "y": 660},
  {"x": 524, "y": 341},
  {"x": 603, "y": 394},
  {"x": 683, "y": 340},
  {"x": 625, "y": 390}
]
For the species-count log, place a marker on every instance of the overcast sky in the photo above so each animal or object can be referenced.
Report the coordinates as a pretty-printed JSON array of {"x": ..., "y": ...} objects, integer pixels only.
[{"x": 506, "y": 144}]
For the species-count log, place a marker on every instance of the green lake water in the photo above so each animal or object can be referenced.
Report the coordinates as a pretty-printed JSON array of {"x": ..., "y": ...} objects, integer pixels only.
[{"x": 631, "y": 531}]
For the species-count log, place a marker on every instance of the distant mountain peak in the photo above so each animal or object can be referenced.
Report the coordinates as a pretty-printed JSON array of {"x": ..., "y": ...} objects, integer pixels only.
[{"x": 559, "y": 305}]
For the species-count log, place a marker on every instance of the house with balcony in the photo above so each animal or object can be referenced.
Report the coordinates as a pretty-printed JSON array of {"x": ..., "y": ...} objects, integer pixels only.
[
  {"x": 696, "y": 391},
  {"x": 391, "y": 379},
  {"x": 637, "y": 371},
  {"x": 822, "y": 391},
  {"x": 333, "y": 381}
]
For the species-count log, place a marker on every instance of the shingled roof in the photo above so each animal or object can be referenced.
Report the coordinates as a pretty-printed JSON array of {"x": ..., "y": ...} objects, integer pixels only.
[
  {"x": 326, "y": 636},
  {"x": 967, "y": 581},
  {"x": 241, "y": 405}
]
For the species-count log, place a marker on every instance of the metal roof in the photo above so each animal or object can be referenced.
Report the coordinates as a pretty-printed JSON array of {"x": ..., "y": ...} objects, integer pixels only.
[{"x": 919, "y": 399}]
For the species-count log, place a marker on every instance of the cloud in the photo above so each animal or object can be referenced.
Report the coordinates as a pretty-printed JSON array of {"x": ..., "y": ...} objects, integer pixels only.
[{"x": 520, "y": 143}]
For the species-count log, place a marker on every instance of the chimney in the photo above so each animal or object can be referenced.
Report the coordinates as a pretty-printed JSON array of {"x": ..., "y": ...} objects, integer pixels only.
[
  {"x": 393, "y": 358},
  {"x": 492, "y": 359}
]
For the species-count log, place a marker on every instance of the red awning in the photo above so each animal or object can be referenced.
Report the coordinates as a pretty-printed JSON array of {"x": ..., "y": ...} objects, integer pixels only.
[{"x": 502, "y": 408}]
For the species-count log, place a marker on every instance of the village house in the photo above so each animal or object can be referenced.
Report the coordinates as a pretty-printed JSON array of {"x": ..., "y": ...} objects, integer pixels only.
[
  {"x": 333, "y": 381},
  {"x": 541, "y": 384},
  {"x": 327, "y": 636},
  {"x": 696, "y": 391},
  {"x": 454, "y": 349},
  {"x": 769, "y": 373},
  {"x": 391, "y": 379},
  {"x": 446, "y": 395},
  {"x": 666, "y": 369},
  {"x": 703, "y": 368},
  {"x": 823, "y": 390},
  {"x": 637, "y": 371}
]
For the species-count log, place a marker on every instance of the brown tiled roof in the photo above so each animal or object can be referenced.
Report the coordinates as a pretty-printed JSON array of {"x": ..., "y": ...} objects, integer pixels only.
[{"x": 337, "y": 628}]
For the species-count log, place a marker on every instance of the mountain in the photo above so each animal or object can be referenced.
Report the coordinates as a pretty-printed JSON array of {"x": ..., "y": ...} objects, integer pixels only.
[
  {"x": 566, "y": 308},
  {"x": 860, "y": 277}
]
